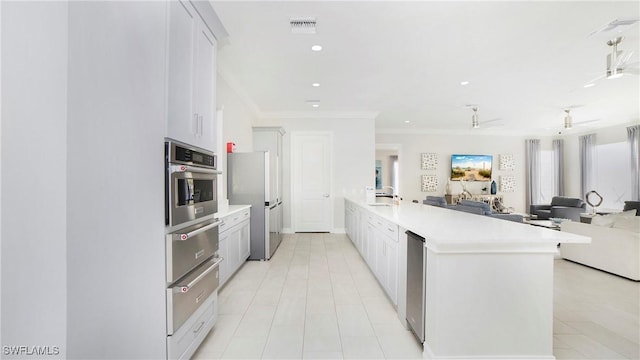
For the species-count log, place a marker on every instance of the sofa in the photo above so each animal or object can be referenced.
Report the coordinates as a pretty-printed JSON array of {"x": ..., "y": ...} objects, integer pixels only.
[
  {"x": 435, "y": 201},
  {"x": 482, "y": 208},
  {"x": 560, "y": 207},
  {"x": 614, "y": 247}
]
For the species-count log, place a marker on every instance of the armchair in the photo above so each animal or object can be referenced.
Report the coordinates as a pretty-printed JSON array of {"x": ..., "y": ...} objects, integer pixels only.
[
  {"x": 630, "y": 205},
  {"x": 560, "y": 207}
]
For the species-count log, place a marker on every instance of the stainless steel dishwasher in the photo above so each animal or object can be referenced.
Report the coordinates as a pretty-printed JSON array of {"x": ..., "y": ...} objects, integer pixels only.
[{"x": 416, "y": 266}]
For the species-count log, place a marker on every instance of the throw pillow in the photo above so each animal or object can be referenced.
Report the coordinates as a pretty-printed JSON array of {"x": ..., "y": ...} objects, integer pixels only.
[
  {"x": 609, "y": 220},
  {"x": 630, "y": 224},
  {"x": 604, "y": 221}
]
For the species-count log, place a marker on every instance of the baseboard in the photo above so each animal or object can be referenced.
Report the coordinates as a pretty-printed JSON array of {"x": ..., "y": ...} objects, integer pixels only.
[{"x": 428, "y": 354}]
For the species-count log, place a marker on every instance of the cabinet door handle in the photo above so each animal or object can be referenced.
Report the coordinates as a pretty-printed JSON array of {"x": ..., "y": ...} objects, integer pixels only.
[
  {"x": 195, "y": 124},
  {"x": 201, "y": 125}
]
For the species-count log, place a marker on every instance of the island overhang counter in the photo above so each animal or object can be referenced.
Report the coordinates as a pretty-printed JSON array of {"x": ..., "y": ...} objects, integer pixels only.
[{"x": 488, "y": 282}]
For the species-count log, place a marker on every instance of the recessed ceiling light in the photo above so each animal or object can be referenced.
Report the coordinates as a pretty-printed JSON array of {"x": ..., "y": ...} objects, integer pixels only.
[
  {"x": 407, "y": 122},
  {"x": 315, "y": 84},
  {"x": 316, "y": 105},
  {"x": 464, "y": 83},
  {"x": 316, "y": 48},
  {"x": 590, "y": 85}
]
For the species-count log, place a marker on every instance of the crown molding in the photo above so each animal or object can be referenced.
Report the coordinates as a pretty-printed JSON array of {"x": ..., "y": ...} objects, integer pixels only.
[{"x": 368, "y": 115}]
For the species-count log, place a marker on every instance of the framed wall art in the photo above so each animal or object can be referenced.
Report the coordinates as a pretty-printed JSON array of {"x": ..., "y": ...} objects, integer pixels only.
[
  {"x": 506, "y": 162},
  {"x": 507, "y": 183},
  {"x": 429, "y": 183},
  {"x": 429, "y": 161}
]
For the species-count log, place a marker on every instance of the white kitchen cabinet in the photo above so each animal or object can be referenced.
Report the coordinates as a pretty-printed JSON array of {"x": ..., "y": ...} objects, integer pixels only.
[
  {"x": 191, "y": 77},
  {"x": 377, "y": 241},
  {"x": 233, "y": 242},
  {"x": 381, "y": 253}
]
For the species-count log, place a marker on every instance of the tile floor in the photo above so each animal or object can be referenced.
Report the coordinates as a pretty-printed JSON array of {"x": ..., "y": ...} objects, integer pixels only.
[{"x": 317, "y": 299}]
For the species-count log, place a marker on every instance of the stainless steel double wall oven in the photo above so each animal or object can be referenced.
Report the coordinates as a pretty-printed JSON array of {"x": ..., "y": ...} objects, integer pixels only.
[{"x": 192, "y": 231}]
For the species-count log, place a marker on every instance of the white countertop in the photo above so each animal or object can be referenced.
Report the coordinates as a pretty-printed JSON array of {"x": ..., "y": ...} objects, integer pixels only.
[
  {"x": 230, "y": 210},
  {"x": 447, "y": 230}
]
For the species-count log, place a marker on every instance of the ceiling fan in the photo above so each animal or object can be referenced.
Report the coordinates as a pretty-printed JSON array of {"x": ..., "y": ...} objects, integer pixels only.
[
  {"x": 568, "y": 119},
  {"x": 475, "y": 122},
  {"x": 617, "y": 62}
]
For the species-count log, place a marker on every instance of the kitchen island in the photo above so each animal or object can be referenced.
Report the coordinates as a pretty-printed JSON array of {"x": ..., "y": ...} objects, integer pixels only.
[{"x": 488, "y": 282}]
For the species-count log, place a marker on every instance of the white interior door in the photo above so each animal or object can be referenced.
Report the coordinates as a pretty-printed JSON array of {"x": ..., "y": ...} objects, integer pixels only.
[{"x": 312, "y": 173}]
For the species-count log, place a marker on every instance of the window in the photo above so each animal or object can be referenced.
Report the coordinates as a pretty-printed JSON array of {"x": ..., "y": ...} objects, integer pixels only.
[{"x": 613, "y": 174}]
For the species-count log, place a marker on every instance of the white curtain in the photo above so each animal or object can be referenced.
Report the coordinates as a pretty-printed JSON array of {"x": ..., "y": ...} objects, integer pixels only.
[
  {"x": 587, "y": 158},
  {"x": 532, "y": 158},
  {"x": 633, "y": 138},
  {"x": 558, "y": 166}
]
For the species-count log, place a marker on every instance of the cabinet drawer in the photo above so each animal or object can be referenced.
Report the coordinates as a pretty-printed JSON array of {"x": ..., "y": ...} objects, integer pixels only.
[
  {"x": 232, "y": 220},
  {"x": 188, "y": 294},
  {"x": 387, "y": 228},
  {"x": 183, "y": 343}
]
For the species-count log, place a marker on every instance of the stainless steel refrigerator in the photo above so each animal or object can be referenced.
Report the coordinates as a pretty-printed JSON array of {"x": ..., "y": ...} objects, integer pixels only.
[{"x": 248, "y": 182}]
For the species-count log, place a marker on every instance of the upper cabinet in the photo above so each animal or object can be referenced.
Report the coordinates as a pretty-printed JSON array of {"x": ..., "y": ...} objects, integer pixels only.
[{"x": 191, "y": 77}]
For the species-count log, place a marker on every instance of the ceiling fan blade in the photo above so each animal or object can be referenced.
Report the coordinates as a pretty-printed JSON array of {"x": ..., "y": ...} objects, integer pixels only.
[
  {"x": 624, "y": 57},
  {"x": 583, "y": 123},
  {"x": 492, "y": 123}
]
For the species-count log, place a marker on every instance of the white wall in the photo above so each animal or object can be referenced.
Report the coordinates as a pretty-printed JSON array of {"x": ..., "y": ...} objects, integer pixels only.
[
  {"x": 607, "y": 135},
  {"x": 34, "y": 174},
  {"x": 353, "y": 160},
  {"x": 237, "y": 124},
  {"x": 446, "y": 145},
  {"x": 115, "y": 205}
]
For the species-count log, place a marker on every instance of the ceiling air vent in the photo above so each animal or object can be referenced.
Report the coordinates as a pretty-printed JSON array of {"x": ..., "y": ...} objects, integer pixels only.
[{"x": 306, "y": 25}]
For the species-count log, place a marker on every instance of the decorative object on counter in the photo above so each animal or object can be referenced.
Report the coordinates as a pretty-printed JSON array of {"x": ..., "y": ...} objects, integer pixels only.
[
  {"x": 507, "y": 183},
  {"x": 429, "y": 161},
  {"x": 429, "y": 183},
  {"x": 506, "y": 162},
  {"x": 589, "y": 198},
  {"x": 494, "y": 188},
  {"x": 447, "y": 189}
]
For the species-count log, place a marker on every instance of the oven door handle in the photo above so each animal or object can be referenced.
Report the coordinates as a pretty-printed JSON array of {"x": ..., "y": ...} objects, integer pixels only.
[
  {"x": 190, "y": 234},
  {"x": 193, "y": 169},
  {"x": 192, "y": 283}
]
